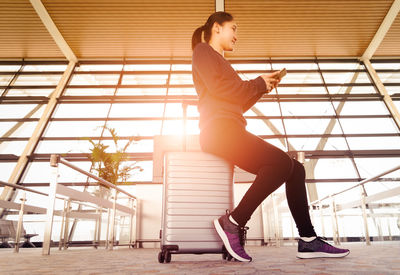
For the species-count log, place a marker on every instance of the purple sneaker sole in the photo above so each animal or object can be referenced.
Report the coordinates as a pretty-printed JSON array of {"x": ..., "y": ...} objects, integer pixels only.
[{"x": 225, "y": 239}]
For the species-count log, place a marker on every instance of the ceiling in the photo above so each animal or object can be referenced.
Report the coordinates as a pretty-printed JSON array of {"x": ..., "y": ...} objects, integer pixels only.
[{"x": 103, "y": 29}]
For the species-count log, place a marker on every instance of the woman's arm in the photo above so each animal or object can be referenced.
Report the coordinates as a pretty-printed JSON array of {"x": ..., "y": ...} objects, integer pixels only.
[
  {"x": 271, "y": 82},
  {"x": 222, "y": 81}
]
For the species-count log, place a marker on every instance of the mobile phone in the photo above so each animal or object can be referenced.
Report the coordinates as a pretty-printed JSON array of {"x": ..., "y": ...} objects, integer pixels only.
[{"x": 282, "y": 73}]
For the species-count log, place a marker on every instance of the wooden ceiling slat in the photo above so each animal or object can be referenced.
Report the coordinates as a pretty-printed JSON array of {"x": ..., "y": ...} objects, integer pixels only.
[{"x": 163, "y": 28}]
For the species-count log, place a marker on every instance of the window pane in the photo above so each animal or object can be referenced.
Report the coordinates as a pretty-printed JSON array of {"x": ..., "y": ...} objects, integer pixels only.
[
  {"x": 44, "y": 68},
  {"x": 29, "y": 92},
  {"x": 145, "y": 175},
  {"x": 280, "y": 143},
  {"x": 147, "y": 67},
  {"x": 311, "y": 126},
  {"x": 89, "y": 92},
  {"x": 9, "y": 68},
  {"x": 98, "y": 67},
  {"x": 94, "y": 79},
  {"x": 385, "y": 65},
  {"x": 336, "y": 168},
  {"x": 362, "y": 108},
  {"x": 81, "y": 110},
  {"x": 73, "y": 128},
  {"x": 20, "y": 110},
  {"x": 374, "y": 143},
  {"x": 17, "y": 129},
  {"x": 259, "y": 127},
  {"x": 340, "y": 65},
  {"x": 370, "y": 167},
  {"x": 307, "y": 108},
  {"x": 250, "y": 66},
  {"x": 389, "y": 77},
  {"x": 349, "y": 77},
  {"x": 137, "y": 127},
  {"x": 295, "y": 66},
  {"x": 182, "y": 91},
  {"x": 41, "y": 172},
  {"x": 300, "y": 78},
  {"x": 140, "y": 79},
  {"x": 33, "y": 80},
  {"x": 328, "y": 188},
  {"x": 137, "y": 110},
  {"x": 301, "y": 90},
  {"x": 141, "y": 91},
  {"x": 5, "y": 79},
  {"x": 309, "y": 144},
  {"x": 393, "y": 89},
  {"x": 182, "y": 67},
  {"x": 370, "y": 125},
  {"x": 352, "y": 89},
  {"x": 12, "y": 147},
  {"x": 181, "y": 79},
  {"x": 83, "y": 146},
  {"x": 6, "y": 169},
  {"x": 267, "y": 108}
]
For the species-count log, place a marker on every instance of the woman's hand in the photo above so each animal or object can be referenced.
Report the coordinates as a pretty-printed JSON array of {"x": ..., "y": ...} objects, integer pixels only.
[{"x": 271, "y": 80}]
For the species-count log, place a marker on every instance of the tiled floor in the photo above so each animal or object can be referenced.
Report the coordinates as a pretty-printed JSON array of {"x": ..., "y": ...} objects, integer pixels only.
[{"x": 379, "y": 258}]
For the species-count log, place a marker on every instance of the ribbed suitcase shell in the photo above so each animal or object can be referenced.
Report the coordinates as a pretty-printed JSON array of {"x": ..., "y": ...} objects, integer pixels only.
[{"x": 198, "y": 187}]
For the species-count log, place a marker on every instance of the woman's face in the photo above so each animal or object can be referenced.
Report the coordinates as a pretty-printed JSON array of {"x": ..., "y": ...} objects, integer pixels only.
[{"x": 227, "y": 35}]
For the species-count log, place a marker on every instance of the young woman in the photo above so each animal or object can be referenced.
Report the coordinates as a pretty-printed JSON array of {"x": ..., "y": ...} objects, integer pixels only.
[{"x": 223, "y": 98}]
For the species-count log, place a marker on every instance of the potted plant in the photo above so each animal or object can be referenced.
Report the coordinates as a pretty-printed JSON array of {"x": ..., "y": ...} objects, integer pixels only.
[{"x": 109, "y": 165}]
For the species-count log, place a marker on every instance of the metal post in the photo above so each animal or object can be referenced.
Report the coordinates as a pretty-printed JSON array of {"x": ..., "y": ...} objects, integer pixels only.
[
  {"x": 112, "y": 231},
  {"x": 20, "y": 220},
  {"x": 276, "y": 221},
  {"x": 364, "y": 214},
  {"x": 50, "y": 209},
  {"x": 389, "y": 231},
  {"x": 131, "y": 202},
  {"x": 60, "y": 243},
  {"x": 66, "y": 225},
  {"x": 97, "y": 226},
  {"x": 108, "y": 227},
  {"x": 321, "y": 209},
  {"x": 334, "y": 222},
  {"x": 379, "y": 226}
]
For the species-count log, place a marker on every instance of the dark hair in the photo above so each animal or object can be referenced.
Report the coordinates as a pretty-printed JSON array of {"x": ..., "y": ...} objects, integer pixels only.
[{"x": 220, "y": 17}]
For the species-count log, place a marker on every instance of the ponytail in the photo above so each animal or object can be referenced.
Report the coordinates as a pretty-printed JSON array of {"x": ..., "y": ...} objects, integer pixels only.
[
  {"x": 196, "y": 37},
  {"x": 220, "y": 17}
]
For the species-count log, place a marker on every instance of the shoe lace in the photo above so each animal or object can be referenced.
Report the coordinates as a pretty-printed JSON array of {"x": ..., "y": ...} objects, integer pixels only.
[
  {"x": 242, "y": 231},
  {"x": 243, "y": 234}
]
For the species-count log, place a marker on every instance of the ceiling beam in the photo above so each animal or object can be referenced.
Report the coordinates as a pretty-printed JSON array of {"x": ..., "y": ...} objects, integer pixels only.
[
  {"x": 53, "y": 30},
  {"x": 383, "y": 29},
  {"x": 219, "y": 5}
]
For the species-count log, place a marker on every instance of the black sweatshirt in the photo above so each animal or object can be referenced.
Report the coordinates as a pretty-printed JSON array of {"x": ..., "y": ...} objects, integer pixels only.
[{"x": 222, "y": 93}]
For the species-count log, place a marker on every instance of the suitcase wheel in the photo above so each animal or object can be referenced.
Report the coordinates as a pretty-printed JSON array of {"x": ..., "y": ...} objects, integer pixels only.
[
  {"x": 161, "y": 257},
  {"x": 167, "y": 256},
  {"x": 164, "y": 256}
]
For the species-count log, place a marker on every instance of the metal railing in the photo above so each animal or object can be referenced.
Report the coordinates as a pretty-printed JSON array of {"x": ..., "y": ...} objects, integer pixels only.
[
  {"x": 271, "y": 211},
  {"x": 25, "y": 208},
  {"x": 361, "y": 202},
  {"x": 113, "y": 208}
]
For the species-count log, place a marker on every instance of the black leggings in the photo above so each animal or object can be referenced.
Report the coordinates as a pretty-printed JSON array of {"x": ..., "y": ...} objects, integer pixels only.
[{"x": 230, "y": 140}]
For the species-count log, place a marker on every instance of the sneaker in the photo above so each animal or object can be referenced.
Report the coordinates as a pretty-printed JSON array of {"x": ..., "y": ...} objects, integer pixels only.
[
  {"x": 318, "y": 248},
  {"x": 232, "y": 236}
]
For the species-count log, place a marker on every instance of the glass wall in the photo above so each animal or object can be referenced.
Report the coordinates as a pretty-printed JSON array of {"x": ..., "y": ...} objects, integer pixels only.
[{"x": 327, "y": 108}]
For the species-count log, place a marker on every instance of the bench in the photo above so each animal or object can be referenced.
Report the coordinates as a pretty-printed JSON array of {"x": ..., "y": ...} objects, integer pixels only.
[{"x": 8, "y": 232}]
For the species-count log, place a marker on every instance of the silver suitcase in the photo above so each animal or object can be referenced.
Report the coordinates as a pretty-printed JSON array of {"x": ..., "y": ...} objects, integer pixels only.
[{"x": 197, "y": 188}]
